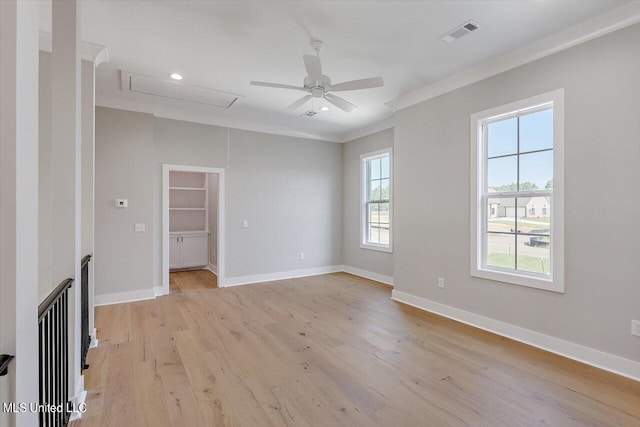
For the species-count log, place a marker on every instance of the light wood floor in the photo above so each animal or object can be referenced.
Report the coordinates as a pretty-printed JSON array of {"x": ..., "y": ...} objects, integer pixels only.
[{"x": 329, "y": 350}]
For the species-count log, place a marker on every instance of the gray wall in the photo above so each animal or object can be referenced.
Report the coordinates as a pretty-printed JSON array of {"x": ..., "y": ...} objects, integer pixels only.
[
  {"x": 353, "y": 255},
  {"x": 124, "y": 170},
  {"x": 289, "y": 189},
  {"x": 602, "y": 172}
]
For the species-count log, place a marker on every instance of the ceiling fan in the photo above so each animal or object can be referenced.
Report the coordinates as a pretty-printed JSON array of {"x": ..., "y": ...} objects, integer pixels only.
[{"x": 317, "y": 85}]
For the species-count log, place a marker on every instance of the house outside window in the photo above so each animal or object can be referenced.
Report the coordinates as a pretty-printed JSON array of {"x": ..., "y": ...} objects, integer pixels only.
[
  {"x": 377, "y": 200},
  {"x": 517, "y": 165}
]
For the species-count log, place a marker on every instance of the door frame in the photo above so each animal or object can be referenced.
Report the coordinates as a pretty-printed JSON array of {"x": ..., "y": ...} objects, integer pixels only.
[{"x": 166, "y": 168}]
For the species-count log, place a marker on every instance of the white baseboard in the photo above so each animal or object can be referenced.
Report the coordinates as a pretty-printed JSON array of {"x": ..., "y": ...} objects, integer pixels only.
[
  {"x": 212, "y": 268},
  {"x": 120, "y": 297},
  {"x": 94, "y": 338},
  {"x": 281, "y": 275},
  {"x": 78, "y": 400},
  {"x": 158, "y": 291},
  {"x": 388, "y": 280},
  {"x": 599, "y": 359}
]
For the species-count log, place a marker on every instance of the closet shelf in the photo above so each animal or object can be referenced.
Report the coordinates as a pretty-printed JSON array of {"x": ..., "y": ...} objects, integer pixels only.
[
  {"x": 187, "y": 209},
  {"x": 188, "y": 188}
]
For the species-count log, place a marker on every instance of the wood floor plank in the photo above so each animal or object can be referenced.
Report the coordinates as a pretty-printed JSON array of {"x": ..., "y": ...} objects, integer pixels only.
[
  {"x": 150, "y": 395},
  {"x": 327, "y": 350},
  {"x": 211, "y": 399},
  {"x": 119, "y": 405}
]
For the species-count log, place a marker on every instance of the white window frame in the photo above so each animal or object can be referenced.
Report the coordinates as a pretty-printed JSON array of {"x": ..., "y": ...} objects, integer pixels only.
[
  {"x": 554, "y": 281},
  {"x": 364, "y": 158}
]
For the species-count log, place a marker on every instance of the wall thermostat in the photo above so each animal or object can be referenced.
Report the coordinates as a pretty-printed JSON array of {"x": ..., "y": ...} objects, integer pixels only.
[{"x": 122, "y": 203}]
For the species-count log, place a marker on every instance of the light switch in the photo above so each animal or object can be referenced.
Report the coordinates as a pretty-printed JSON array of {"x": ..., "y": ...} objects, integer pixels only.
[
  {"x": 139, "y": 228},
  {"x": 245, "y": 224},
  {"x": 122, "y": 203}
]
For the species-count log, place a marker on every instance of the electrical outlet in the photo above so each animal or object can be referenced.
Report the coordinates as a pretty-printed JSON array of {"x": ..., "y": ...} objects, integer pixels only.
[
  {"x": 441, "y": 282},
  {"x": 301, "y": 256},
  {"x": 635, "y": 328}
]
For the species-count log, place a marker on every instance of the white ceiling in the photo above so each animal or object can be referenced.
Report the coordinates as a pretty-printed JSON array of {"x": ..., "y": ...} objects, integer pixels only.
[{"x": 225, "y": 44}]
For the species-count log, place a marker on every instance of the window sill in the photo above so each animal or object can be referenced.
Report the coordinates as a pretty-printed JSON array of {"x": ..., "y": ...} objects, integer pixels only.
[
  {"x": 519, "y": 279},
  {"x": 378, "y": 248}
]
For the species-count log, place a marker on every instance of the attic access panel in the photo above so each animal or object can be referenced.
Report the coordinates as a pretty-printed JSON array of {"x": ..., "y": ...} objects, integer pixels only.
[{"x": 147, "y": 85}]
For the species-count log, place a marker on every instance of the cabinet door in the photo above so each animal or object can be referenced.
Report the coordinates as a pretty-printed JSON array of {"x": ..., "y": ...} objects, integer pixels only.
[
  {"x": 175, "y": 252},
  {"x": 195, "y": 250}
]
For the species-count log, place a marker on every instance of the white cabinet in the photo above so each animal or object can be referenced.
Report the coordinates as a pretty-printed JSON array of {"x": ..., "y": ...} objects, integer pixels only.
[
  {"x": 188, "y": 250},
  {"x": 175, "y": 252},
  {"x": 188, "y": 220}
]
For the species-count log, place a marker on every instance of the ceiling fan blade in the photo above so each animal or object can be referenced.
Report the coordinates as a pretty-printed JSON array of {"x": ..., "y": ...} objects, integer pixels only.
[
  {"x": 358, "y": 84},
  {"x": 342, "y": 104},
  {"x": 277, "y": 85},
  {"x": 314, "y": 69},
  {"x": 299, "y": 102}
]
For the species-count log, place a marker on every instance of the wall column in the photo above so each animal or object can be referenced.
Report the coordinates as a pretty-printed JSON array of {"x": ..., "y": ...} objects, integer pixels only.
[
  {"x": 19, "y": 205},
  {"x": 66, "y": 170},
  {"x": 88, "y": 176}
]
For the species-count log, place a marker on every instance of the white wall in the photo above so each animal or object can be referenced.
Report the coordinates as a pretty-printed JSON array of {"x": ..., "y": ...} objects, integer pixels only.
[
  {"x": 45, "y": 218},
  {"x": 88, "y": 109},
  {"x": 602, "y": 240},
  {"x": 289, "y": 189},
  {"x": 213, "y": 218},
  {"x": 19, "y": 205},
  {"x": 353, "y": 255}
]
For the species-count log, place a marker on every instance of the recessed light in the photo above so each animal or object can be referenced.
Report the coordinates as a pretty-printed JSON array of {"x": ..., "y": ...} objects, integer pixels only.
[
  {"x": 175, "y": 76},
  {"x": 324, "y": 108}
]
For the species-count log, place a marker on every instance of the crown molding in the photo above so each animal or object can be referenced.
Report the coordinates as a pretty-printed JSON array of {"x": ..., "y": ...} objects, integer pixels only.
[
  {"x": 91, "y": 52},
  {"x": 618, "y": 18},
  {"x": 240, "y": 124},
  {"x": 176, "y": 113},
  {"x": 368, "y": 130}
]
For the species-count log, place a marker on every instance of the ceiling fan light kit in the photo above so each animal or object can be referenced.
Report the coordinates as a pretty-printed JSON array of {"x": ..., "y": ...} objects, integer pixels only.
[{"x": 318, "y": 85}]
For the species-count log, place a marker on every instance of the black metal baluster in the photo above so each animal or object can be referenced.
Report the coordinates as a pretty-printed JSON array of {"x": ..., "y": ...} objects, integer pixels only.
[
  {"x": 84, "y": 296},
  {"x": 65, "y": 362},
  {"x": 41, "y": 359},
  {"x": 53, "y": 342},
  {"x": 56, "y": 378}
]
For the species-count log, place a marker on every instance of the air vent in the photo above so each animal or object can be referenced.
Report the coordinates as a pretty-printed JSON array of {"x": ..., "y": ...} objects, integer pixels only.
[
  {"x": 173, "y": 90},
  {"x": 460, "y": 31},
  {"x": 309, "y": 113}
]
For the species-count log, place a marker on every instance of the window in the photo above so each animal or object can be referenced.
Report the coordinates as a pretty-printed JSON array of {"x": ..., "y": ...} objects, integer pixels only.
[
  {"x": 376, "y": 207},
  {"x": 517, "y": 164}
]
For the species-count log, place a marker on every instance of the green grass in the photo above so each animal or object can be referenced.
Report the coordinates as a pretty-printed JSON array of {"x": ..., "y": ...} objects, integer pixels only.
[
  {"x": 511, "y": 222},
  {"x": 545, "y": 220},
  {"x": 525, "y": 262}
]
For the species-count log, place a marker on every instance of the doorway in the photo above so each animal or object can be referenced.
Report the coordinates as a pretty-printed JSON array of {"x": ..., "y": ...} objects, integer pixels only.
[{"x": 192, "y": 220}]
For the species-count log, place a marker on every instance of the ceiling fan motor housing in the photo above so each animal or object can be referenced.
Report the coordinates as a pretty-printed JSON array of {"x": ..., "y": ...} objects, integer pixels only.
[
  {"x": 318, "y": 85},
  {"x": 317, "y": 88}
]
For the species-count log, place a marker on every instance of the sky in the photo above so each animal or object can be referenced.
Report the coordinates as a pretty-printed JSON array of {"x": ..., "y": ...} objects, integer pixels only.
[{"x": 536, "y": 133}]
